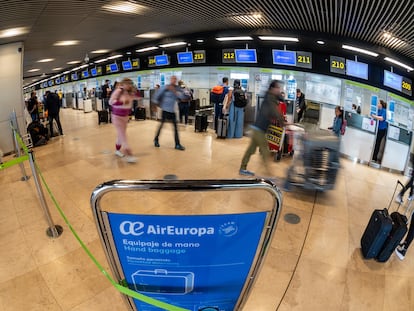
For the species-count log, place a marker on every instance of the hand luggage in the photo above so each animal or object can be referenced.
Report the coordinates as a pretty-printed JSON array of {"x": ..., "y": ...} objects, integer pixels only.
[
  {"x": 222, "y": 125},
  {"x": 384, "y": 232},
  {"x": 140, "y": 113},
  {"x": 201, "y": 123},
  {"x": 375, "y": 234},
  {"x": 103, "y": 116}
]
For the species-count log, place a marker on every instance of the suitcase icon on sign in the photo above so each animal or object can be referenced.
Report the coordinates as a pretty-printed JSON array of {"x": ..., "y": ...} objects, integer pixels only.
[{"x": 163, "y": 281}]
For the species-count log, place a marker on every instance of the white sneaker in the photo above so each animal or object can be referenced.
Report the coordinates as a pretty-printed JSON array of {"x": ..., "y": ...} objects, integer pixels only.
[
  {"x": 131, "y": 159},
  {"x": 119, "y": 153}
]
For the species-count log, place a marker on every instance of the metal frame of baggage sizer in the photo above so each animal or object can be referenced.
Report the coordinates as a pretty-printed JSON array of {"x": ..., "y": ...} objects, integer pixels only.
[{"x": 244, "y": 235}]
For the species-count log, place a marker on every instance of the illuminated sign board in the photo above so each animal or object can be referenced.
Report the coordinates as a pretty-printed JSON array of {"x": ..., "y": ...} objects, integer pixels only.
[
  {"x": 246, "y": 56},
  {"x": 228, "y": 56},
  {"x": 135, "y": 63},
  {"x": 407, "y": 86},
  {"x": 113, "y": 67},
  {"x": 304, "y": 59},
  {"x": 282, "y": 57},
  {"x": 74, "y": 76},
  {"x": 94, "y": 72},
  {"x": 185, "y": 58},
  {"x": 337, "y": 64},
  {"x": 199, "y": 57},
  {"x": 85, "y": 74}
]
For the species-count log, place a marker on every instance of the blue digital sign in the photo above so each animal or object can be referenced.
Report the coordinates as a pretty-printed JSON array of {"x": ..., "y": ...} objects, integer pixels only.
[
  {"x": 185, "y": 58},
  {"x": 357, "y": 69},
  {"x": 50, "y": 82},
  {"x": 246, "y": 56},
  {"x": 85, "y": 74},
  {"x": 161, "y": 60},
  {"x": 93, "y": 72},
  {"x": 74, "y": 76},
  {"x": 127, "y": 65},
  {"x": 113, "y": 67},
  {"x": 393, "y": 80},
  {"x": 282, "y": 57},
  {"x": 174, "y": 258},
  {"x": 57, "y": 80}
]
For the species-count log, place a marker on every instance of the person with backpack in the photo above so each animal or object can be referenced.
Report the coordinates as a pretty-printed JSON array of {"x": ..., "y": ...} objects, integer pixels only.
[
  {"x": 235, "y": 107},
  {"x": 217, "y": 96}
]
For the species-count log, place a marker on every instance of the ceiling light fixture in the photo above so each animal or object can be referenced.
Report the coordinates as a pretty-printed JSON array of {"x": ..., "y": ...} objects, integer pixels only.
[
  {"x": 57, "y": 68},
  {"x": 115, "y": 56},
  {"x": 73, "y": 62},
  {"x": 277, "y": 38},
  {"x": 242, "y": 38},
  {"x": 101, "y": 60},
  {"x": 356, "y": 49},
  {"x": 150, "y": 35},
  {"x": 320, "y": 42},
  {"x": 13, "y": 32},
  {"x": 391, "y": 60},
  {"x": 66, "y": 43},
  {"x": 46, "y": 60},
  {"x": 124, "y": 7},
  {"x": 102, "y": 51},
  {"x": 150, "y": 48},
  {"x": 200, "y": 40},
  {"x": 168, "y": 45},
  {"x": 33, "y": 70}
]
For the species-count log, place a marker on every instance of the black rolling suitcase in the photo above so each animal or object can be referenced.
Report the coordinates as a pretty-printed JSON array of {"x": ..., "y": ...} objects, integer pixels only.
[
  {"x": 140, "y": 113},
  {"x": 201, "y": 123},
  {"x": 383, "y": 233},
  {"x": 103, "y": 116},
  {"x": 222, "y": 125}
]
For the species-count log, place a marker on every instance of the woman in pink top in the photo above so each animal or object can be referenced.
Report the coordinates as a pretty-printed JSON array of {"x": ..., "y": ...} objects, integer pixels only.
[{"x": 121, "y": 102}]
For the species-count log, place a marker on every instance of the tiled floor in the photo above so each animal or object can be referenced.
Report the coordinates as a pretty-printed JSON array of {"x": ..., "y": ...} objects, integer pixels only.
[{"x": 313, "y": 265}]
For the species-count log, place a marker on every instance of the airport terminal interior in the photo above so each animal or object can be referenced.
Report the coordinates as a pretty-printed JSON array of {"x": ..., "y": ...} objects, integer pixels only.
[{"x": 315, "y": 264}]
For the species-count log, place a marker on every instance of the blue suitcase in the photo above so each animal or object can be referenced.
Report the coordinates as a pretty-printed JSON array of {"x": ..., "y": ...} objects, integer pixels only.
[{"x": 375, "y": 234}]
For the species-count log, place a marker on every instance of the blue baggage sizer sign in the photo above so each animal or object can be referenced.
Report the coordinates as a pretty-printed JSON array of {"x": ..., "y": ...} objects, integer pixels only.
[{"x": 174, "y": 258}]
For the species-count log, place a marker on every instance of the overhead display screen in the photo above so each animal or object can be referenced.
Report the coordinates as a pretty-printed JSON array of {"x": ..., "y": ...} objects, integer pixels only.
[
  {"x": 199, "y": 57},
  {"x": 85, "y": 74},
  {"x": 57, "y": 80},
  {"x": 162, "y": 60},
  {"x": 393, "y": 80},
  {"x": 113, "y": 67},
  {"x": 304, "y": 59},
  {"x": 74, "y": 76},
  {"x": 246, "y": 56},
  {"x": 94, "y": 72},
  {"x": 282, "y": 57},
  {"x": 184, "y": 58},
  {"x": 126, "y": 65},
  {"x": 337, "y": 64},
  {"x": 50, "y": 82},
  {"x": 357, "y": 69},
  {"x": 99, "y": 70}
]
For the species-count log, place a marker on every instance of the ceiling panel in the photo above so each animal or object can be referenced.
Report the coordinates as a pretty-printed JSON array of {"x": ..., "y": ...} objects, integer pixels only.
[{"x": 374, "y": 23}]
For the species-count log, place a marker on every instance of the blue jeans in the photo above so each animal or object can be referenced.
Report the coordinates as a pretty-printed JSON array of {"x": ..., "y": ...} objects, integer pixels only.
[{"x": 236, "y": 122}]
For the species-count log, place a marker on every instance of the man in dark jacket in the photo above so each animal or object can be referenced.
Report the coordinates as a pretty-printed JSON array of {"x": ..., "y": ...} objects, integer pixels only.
[
  {"x": 300, "y": 104},
  {"x": 52, "y": 106},
  {"x": 269, "y": 111}
]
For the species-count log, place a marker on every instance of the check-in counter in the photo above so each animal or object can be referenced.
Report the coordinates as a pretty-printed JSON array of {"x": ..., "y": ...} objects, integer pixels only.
[
  {"x": 359, "y": 139},
  {"x": 397, "y": 148}
]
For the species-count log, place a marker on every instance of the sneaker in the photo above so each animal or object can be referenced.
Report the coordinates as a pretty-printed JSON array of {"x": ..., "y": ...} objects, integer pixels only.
[
  {"x": 246, "y": 173},
  {"x": 119, "y": 153},
  {"x": 399, "y": 199},
  {"x": 400, "y": 252},
  {"x": 156, "y": 143},
  {"x": 131, "y": 159},
  {"x": 179, "y": 147}
]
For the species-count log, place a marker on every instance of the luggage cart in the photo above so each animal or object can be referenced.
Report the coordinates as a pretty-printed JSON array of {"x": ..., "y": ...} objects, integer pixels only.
[
  {"x": 316, "y": 161},
  {"x": 188, "y": 244}
]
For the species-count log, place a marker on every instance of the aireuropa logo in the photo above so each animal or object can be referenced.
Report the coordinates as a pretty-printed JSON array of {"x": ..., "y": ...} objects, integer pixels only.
[
  {"x": 228, "y": 229},
  {"x": 138, "y": 228}
]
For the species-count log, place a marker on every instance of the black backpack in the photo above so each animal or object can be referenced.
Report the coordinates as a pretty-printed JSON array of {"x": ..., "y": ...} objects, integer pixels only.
[{"x": 240, "y": 99}]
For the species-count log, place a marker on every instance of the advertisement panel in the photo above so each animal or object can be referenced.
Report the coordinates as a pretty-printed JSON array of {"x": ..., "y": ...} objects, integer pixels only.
[{"x": 197, "y": 262}]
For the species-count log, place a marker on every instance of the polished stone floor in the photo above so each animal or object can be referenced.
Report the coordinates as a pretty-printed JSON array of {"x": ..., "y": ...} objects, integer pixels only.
[{"x": 313, "y": 265}]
